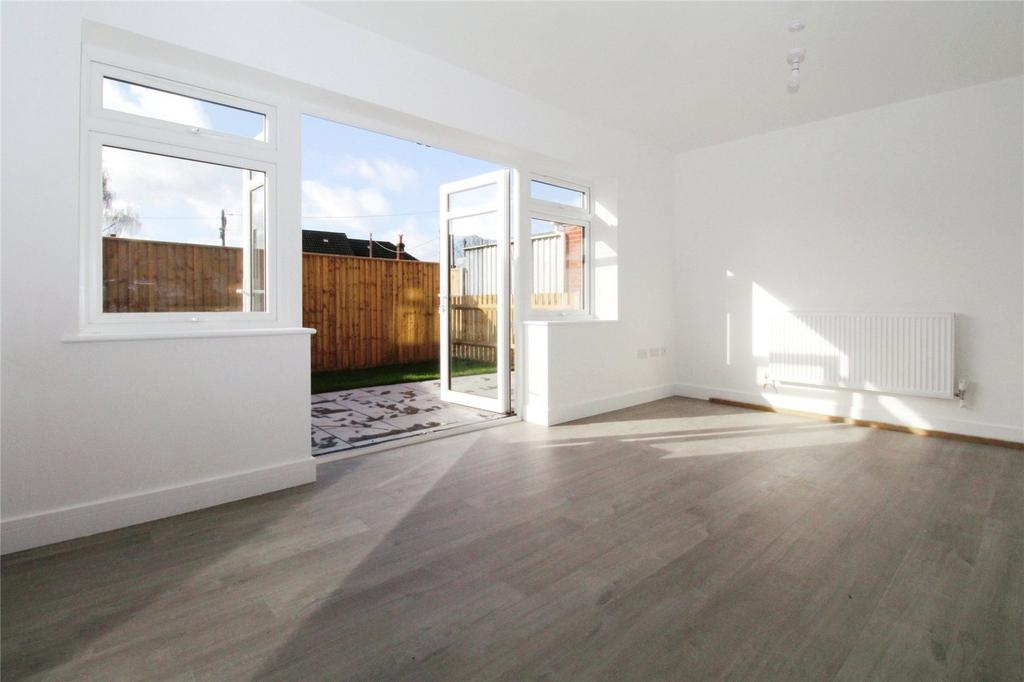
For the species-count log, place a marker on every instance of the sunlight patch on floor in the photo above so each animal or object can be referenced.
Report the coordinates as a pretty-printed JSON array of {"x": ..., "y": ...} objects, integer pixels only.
[
  {"x": 626, "y": 427},
  {"x": 834, "y": 434}
]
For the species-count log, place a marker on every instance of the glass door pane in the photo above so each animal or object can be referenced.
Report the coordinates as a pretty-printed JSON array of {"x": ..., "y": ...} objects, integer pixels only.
[
  {"x": 475, "y": 292},
  {"x": 473, "y": 322}
]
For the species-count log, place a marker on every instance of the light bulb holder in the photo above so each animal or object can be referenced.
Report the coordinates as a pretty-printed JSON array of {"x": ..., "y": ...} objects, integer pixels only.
[{"x": 794, "y": 58}]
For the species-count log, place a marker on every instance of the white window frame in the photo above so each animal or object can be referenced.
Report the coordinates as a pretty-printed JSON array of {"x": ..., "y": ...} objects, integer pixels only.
[
  {"x": 565, "y": 209},
  {"x": 204, "y": 137},
  {"x": 571, "y": 215},
  {"x": 104, "y": 127}
]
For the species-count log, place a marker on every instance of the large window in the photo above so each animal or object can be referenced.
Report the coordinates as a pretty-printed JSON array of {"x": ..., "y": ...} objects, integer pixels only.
[
  {"x": 202, "y": 230},
  {"x": 559, "y": 236},
  {"x": 179, "y": 185}
]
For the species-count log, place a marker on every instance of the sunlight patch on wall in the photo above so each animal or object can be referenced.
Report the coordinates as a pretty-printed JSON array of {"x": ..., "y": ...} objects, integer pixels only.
[
  {"x": 901, "y": 413},
  {"x": 763, "y": 307},
  {"x": 604, "y": 215},
  {"x": 823, "y": 405},
  {"x": 786, "y": 346}
]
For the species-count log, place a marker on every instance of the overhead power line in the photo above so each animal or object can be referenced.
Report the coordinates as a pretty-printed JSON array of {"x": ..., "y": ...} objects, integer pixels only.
[
  {"x": 311, "y": 217},
  {"x": 406, "y": 249},
  {"x": 368, "y": 215}
]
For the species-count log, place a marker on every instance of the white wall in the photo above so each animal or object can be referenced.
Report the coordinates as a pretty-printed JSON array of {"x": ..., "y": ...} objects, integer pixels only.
[
  {"x": 594, "y": 366},
  {"x": 915, "y": 206},
  {"x": 102, "y": 434}
]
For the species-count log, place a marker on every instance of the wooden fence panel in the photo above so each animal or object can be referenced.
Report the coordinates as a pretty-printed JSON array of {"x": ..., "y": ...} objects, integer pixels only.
[
  {"x": 474, "y": 330},
  {"x": 369, "y": 312},
  {"x": 556, "y": 301},
  {"x": 141, "y": 276}
]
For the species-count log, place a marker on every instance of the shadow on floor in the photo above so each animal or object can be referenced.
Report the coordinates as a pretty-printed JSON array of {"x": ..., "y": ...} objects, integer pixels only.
[{"x": 566, "y": 553}]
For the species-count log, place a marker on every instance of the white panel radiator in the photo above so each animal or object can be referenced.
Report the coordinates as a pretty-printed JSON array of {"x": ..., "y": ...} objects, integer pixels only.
[{"x": 904, "y": 353}]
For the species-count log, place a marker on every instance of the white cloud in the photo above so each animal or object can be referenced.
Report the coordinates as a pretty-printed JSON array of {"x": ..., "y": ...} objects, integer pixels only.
[
  {"x": 177, "y": 200},
  {"x": 165, "y": 106},
  {"x": 419, "y": 233},
  {"x": 345, "y": 206},
  {"x": 383, "y": 173}
]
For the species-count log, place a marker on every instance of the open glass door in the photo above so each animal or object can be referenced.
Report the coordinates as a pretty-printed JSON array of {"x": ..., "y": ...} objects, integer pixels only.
[
  {"x": 475, "y": 305},
  {"x": 254, "y": 244}
]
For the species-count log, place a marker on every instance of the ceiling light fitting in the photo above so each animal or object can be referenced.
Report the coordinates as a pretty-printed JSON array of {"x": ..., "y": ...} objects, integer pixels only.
[{"x": 794, "y": 59}]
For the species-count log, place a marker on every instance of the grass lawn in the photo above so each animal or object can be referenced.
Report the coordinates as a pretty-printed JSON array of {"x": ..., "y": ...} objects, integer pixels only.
[{"x": 341, "y": 380}]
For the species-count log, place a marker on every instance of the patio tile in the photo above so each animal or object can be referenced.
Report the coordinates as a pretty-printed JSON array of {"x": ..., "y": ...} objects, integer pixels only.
[
  {"x": 422, "y": 403},
  {"x": 336, "y": 415},
  {"x": 323, "y": 442},
  {"x": 397, "y": 391},
  {"x": 389, "y": 412},
  {"x": 423, "y": 420},
  {"x": 432, "y": 387},
  {"x": 374, "y": 409},
  {"x": 337, "y": 395},
  {"x": 378, "y": 414},
  {"x": 359, "y": 435}
]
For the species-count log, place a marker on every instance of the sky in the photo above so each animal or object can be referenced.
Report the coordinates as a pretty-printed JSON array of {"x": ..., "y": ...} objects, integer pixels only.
[
  {"x": 353, "y": 180},
  {"x": 357, "y": 181}
]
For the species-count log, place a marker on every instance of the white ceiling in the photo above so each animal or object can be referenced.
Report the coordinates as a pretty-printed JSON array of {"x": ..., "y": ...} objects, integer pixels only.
[{"x": 686, "y": 75}]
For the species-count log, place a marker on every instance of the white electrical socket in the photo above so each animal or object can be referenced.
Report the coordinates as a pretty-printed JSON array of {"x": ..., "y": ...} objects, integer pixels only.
[{"x": 664, "y": 351}]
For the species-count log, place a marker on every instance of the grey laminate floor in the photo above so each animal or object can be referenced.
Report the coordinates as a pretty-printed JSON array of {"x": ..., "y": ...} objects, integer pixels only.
[{"x": 675, "y": 540}]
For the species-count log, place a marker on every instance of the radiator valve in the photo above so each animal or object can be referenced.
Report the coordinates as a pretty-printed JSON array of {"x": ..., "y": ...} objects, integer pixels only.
[{"x": 961, "y": 392}]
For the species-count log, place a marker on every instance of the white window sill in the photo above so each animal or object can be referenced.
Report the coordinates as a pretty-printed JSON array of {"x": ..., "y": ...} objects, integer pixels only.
[{"x": 85, "y": 337}]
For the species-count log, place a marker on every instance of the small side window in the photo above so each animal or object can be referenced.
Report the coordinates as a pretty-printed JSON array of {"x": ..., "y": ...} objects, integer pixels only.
[
  {"x": 559, "y": 247},
  {"x": 163, "y": 105},
  {"x": 558, "y": 194},
  {"x": 559, "y": 274}
]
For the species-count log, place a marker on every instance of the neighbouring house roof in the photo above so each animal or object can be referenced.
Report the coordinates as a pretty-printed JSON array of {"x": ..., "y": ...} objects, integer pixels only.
[
  {"x": 335, "y": 243},
  {"x": 339, "y": 244}
]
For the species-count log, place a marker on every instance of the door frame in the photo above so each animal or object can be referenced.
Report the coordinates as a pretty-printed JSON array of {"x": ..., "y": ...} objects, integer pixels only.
[{"x": 501, "y": 208}]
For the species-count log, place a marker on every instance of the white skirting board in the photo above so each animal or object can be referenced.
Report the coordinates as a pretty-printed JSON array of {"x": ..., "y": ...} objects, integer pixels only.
[
  {"x": 959, "y": 426},
  {"x": 57, "y": 525},
  {"x": 549, "y": 416}
]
